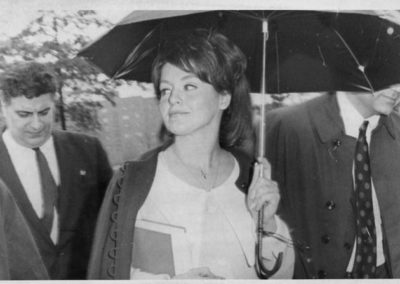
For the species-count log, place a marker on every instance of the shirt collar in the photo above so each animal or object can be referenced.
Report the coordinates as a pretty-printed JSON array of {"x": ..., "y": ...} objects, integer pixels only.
[
  {"x": 11, "y": 143},
  {"x": 351, "y": 117}
]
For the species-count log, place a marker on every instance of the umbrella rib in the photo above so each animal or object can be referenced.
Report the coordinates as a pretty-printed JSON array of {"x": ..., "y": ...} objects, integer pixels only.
[
  {"x": 133, "y": 58},
  {"x": 360, "y": 67}
]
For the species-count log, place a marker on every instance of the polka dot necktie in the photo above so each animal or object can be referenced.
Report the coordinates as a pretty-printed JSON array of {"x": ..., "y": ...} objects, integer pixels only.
[
  {"x": 49, "y": 190},
  {"x": 365, "y": 260}
]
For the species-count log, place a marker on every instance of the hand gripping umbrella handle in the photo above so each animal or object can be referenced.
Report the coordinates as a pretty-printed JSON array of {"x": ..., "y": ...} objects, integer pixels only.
[{"x": 262, "y": 271}]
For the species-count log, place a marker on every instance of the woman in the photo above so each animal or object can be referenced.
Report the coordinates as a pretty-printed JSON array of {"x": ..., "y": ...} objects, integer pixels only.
[{"x": 199, "y": 180}]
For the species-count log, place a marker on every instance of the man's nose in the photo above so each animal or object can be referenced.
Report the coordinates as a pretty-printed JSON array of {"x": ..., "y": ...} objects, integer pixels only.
[{"x": 36, "y": 122}]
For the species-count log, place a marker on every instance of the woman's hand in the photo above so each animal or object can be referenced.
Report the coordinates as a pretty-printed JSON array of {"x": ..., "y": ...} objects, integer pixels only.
[
  {"x": 262, "y": 191},
  {"x": 198, "y": 273}
]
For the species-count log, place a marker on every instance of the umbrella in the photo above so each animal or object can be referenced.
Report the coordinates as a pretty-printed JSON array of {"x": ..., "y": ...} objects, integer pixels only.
[
  {"x": 287, "y": 51},
  {"x": 307, "y": 51}
]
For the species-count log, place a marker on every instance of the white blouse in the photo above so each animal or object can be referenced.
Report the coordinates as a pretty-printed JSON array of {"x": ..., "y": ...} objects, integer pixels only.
[{"x": 219, "y": 228}]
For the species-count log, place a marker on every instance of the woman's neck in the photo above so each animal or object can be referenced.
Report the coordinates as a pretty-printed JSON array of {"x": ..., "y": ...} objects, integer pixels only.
[
  {"x": 197, "y": 152},
  {"x": 199, "y": 161}
]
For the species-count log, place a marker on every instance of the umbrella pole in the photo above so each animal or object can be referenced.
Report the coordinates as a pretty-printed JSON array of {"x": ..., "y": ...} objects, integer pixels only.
[
  {"x": 262, "y": 271},
  {"x": 261, "y": 137}
]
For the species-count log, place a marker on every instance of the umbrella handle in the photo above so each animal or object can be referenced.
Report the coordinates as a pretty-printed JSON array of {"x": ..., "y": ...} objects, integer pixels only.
[{"x": 262, "y": 271}]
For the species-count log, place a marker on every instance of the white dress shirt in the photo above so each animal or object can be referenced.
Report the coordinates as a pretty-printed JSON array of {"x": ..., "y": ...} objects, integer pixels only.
[
  {"x": 25, "y": 164},
  {"x": 352, "y": 120}
]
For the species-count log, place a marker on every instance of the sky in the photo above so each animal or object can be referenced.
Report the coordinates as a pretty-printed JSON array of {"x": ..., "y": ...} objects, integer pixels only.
[{"x": 16, "y": 14}]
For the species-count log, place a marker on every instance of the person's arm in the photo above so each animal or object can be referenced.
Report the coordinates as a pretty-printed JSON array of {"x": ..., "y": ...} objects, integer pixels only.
[{"x": 264, "y": 195}]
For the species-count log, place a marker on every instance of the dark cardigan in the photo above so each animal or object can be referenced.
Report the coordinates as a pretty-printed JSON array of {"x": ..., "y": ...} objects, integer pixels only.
[{"x": 112, "y": 248}]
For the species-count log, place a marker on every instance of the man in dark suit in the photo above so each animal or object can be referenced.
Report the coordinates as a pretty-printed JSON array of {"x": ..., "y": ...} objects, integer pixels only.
[
  {"x": 311, "y": 148},
  {"x": 19, "y": 256},
  {"x": 57, "y": 178}
]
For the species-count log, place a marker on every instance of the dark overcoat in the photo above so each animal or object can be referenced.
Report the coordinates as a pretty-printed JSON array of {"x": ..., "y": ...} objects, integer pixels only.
[
  {"x": 312, "y": 161},
  {"x": 84, "y": 175}
]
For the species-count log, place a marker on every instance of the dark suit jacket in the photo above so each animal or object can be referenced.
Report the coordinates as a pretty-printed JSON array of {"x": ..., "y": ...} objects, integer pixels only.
[
  {"x": 19, "y": 256},
  {"x": 312, "y": 161},
  {"x": 84, "y": 175}
]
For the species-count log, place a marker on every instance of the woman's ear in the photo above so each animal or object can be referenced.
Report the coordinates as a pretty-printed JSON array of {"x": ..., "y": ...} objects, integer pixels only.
[{"x": 224, "y": 100}]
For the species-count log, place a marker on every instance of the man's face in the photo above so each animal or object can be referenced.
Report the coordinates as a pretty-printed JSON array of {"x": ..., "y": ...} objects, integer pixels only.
[
  {"x": 382, "y": 102},
  {"x": 30, "y": 121}
]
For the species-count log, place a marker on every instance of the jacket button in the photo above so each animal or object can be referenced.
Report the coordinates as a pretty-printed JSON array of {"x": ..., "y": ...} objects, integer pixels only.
[
  {"x": 308, "y": 259},
  {"x": 325, "y": 239},
  {"x": 347, "y": 246},
  {"x": 322, "y": 274},
  {"x": 330, "y": 205}
]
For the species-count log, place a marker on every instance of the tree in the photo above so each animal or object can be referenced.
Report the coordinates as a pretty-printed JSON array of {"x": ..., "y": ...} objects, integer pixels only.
[{"x": 55, "y": 38}]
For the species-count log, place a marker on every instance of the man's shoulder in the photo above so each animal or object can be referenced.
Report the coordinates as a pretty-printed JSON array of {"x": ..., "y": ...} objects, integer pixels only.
[
  {"x": 294, "y": 116},
  {"x": 298, "y": 110}
]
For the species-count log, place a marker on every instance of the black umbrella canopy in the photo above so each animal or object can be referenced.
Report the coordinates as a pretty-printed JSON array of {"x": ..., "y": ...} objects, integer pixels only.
[{"x": 307, "y": 51}]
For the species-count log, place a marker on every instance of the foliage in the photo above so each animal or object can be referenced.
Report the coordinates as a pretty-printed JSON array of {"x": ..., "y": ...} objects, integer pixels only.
[{"x": 54, "y": 38}]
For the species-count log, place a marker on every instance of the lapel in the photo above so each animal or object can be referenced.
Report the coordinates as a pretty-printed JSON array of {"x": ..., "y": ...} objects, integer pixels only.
[
  {"x": 325, "y": 116},
  {"x": 10, "y": 177},
  {"x": 65, "y": 162}
]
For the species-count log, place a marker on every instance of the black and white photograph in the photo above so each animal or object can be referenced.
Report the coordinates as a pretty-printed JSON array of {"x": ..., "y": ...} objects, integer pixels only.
[{"x": 199, "y": 140}]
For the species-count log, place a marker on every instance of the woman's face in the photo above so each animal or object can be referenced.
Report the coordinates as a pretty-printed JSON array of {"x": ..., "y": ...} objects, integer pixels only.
[{"x": 188, "y": 104}]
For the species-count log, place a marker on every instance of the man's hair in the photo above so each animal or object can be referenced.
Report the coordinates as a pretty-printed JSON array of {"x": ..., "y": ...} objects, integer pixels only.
[{"x": 30, "y": 80}]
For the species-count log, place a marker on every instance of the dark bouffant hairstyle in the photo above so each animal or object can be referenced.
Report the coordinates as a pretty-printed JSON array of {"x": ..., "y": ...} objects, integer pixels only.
[
  {"x": 216, "y": 60},
  {"x": 29, "y": 80}
]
